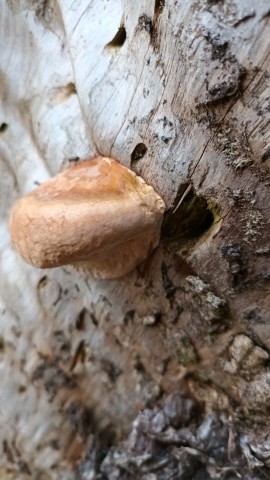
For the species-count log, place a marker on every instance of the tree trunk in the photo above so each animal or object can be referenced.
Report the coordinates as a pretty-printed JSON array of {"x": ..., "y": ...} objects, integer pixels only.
[{"x": 179, "y": 92}]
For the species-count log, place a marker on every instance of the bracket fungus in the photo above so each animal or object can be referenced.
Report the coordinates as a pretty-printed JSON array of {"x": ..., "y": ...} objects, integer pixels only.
[{"x": 97, "y": 215}]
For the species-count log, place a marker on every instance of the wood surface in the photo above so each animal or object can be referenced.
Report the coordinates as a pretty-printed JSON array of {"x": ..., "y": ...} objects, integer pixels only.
[{"x": 178, "y": 91}]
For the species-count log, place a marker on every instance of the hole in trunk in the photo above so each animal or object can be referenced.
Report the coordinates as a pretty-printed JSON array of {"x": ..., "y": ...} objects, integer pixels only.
[
  {"x": 138, "y": 153},
  {"x": 159, "y": 6},
  {"x": 189, "y": 218},
  {"x": 3, "y": 127},
  {"x": 119, "y": 38}
]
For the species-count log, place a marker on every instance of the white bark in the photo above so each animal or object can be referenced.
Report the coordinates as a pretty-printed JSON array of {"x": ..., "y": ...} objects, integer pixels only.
[{"x": 177, "y": 85}]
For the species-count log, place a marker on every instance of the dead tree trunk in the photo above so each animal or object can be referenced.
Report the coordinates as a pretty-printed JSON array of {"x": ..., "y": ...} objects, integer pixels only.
[{"x": 179, "y": 92}]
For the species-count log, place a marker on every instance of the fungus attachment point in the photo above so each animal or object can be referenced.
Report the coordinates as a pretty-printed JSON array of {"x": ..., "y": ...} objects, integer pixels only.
[{"x": 96, "y": 214}]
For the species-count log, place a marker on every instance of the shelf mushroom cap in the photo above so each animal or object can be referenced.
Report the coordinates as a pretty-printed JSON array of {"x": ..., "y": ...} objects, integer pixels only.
[{"x": 97, "y": 214}]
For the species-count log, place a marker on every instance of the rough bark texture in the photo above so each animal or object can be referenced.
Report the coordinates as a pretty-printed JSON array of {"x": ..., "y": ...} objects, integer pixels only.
[{"x": 179, "y": 92}]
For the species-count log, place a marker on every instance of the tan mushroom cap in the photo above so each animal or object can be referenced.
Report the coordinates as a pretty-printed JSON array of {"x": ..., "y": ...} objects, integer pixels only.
[{"x": 96, "y": 214}]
